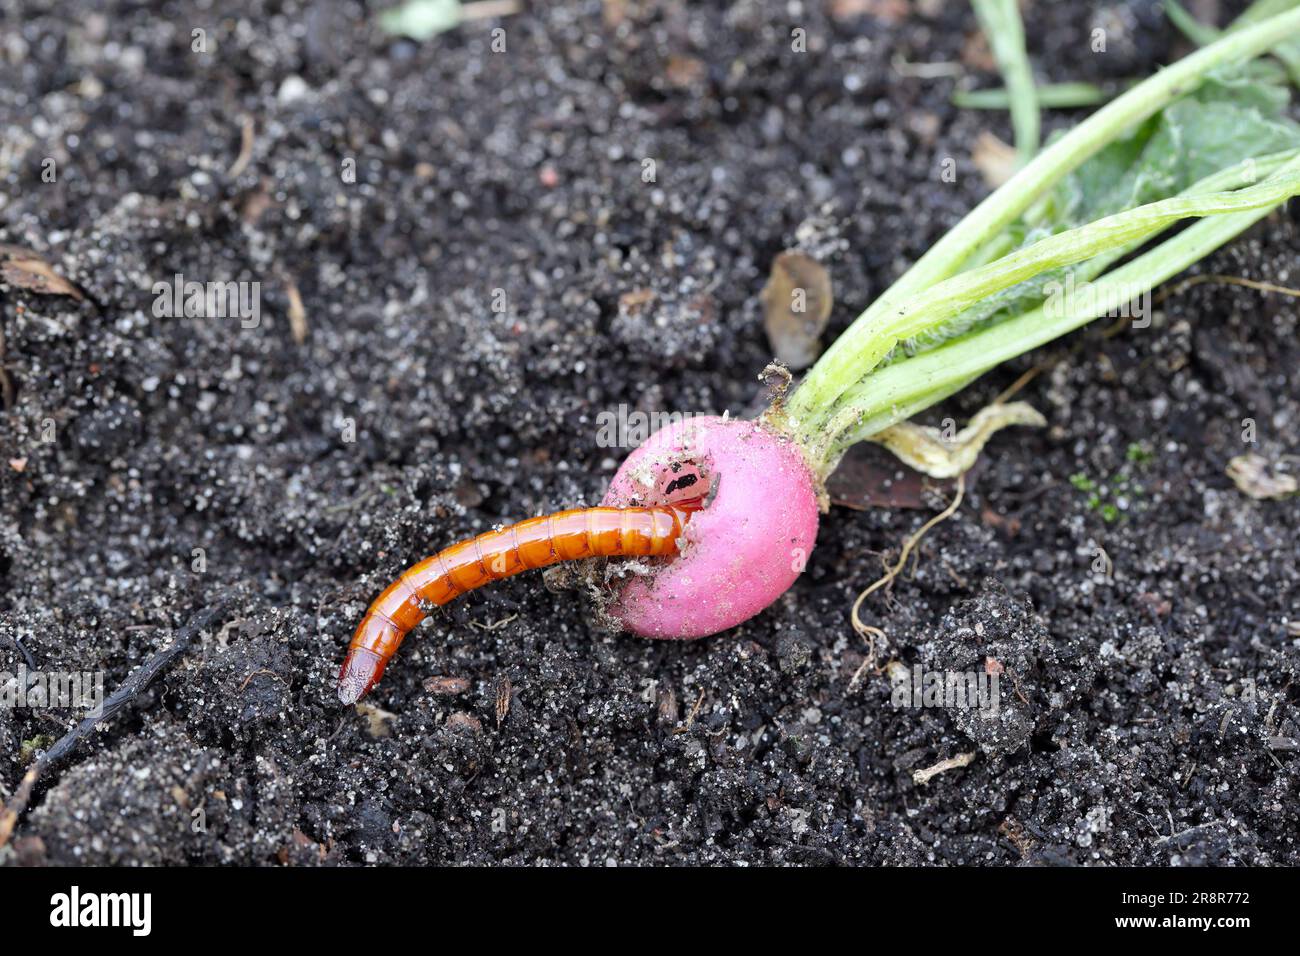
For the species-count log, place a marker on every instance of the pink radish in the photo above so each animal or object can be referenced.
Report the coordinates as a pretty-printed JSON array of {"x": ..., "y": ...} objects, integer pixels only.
[{"x": 743, "y": 550}]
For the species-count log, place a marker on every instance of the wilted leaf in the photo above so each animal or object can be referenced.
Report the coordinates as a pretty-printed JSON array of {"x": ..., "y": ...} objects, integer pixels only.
[
  {"x": 26, "y": 270},
  {"x": 796, "y": 304},
  {"x": 943, "y": 453}
]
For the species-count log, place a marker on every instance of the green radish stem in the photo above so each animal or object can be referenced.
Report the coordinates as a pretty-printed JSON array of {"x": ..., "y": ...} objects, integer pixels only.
[
  {"x": 1072, "y": 95},
  {"x": 879, "y": 400},
  {"x": 1001, "y": 23},
  {"x": 904, "y": 389},
  {"x": 815, "y": 413},
  {"x": 858, "y": 417},
  {"x": 1188, "y": 25},
  {"x": 1262, "y": 10}
]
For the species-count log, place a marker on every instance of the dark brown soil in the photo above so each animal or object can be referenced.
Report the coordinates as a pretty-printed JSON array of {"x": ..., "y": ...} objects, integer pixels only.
[{"x": 1151, "y": 711}]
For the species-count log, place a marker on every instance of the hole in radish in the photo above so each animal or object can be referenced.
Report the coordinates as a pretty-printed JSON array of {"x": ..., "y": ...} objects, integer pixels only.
[{"x": 686, "y": 482}]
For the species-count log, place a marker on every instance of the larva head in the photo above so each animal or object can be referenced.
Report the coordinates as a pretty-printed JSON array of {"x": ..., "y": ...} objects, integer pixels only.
[{"x": 746, "y": 546}]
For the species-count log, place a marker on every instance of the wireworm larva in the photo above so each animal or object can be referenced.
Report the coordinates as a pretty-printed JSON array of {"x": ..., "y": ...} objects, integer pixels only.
[{"x": 534, "y": 543}]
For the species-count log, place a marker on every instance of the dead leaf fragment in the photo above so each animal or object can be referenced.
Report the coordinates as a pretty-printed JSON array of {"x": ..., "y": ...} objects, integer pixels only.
[
  {"x": 977, "y": 54},
  {"x": 995, "y": 160},
  {"x": 24, "y": 269},
  {"x": 1008, "y": 525},
  {"x": 888, "y": 11},
  {"x": 1012, "y": 829},
  {"x": 940, "y": 453},
  {"x": 796, "y": 304},
  {"x": 1255, "y": 476},
  {"x": 613, "y": 13},
  {"x": 666, "y": 707},
  {"x": 467, "y": 723},
  {"x": 442, "y": 686},
  {"x": 503, "y": 700},
  {"x": 297, "y": 314},
  {"x": 636, "y": 302},
  {"x": 684, "y": 72},
  {"x": 376, "y": 719}
]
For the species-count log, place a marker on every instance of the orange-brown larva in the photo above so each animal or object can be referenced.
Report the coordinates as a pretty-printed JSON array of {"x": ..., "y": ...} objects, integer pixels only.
[{"x": 535, "y": 543}]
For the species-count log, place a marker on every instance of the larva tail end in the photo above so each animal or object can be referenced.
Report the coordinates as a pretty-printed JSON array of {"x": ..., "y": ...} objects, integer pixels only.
[{"x": 361, "y": 671}]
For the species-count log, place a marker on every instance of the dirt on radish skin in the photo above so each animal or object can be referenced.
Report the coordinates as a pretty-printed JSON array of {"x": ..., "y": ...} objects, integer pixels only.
[{"x": 742, "y": 551}]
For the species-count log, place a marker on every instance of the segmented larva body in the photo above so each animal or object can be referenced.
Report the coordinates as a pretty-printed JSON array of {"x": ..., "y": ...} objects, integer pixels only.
[{"x": 535, "y": 543}]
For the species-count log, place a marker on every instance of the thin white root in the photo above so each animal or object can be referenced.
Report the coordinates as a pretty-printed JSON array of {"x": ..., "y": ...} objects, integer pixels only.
[
  {"x": 876, "y": 638},
  {"x": 908, "y": 545},
  {"x": 876, "y": 641}
]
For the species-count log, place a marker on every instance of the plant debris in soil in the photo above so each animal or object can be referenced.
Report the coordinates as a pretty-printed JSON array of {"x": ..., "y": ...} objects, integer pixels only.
[{"x": 461, "y": 264}]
